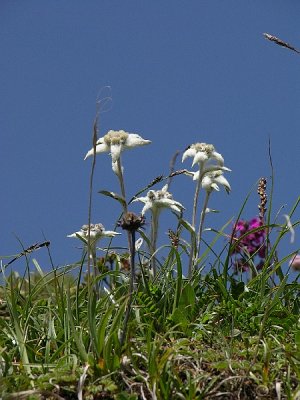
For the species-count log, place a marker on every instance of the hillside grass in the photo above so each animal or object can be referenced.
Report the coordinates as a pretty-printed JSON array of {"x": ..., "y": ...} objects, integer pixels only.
[{"x": 217, "y": 335}]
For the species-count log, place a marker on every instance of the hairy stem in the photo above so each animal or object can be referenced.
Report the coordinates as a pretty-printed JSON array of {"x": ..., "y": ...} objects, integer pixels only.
[
  {"x": 201, "y": 224},
  {"x": 154, "y": 230},
  {"x": 193, "y": 250},
  {"x": 122, "y": 187},
  {"x": 131, "y": 286}
]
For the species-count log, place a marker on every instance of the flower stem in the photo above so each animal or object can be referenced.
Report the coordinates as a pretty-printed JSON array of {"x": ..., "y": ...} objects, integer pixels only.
[
  {"x": 131, "y": 285},
  {"x": 121, "y": 181},
  {"x": 122, "y": 186},
  {"x": 201, "y": 224},
  {"x": 193, "y": 250},
  {"x": 154, "y": 230}
]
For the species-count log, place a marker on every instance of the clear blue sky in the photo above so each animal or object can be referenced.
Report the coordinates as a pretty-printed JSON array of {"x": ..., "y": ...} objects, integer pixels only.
[{"x": 179, "y": 72}]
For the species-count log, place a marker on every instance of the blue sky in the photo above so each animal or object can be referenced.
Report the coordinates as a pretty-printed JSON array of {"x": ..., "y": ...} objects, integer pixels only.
[{"x": 179, "y": 73}]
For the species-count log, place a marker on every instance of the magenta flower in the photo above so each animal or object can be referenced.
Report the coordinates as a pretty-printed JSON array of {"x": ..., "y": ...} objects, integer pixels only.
[
  {"x": 249, "y": 244},
  {"x": 295, "y": 262}
]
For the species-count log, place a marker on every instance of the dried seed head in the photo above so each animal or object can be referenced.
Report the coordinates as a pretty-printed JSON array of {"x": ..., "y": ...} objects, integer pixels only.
[
  {"x": 125, "y": 262},
  {"x": 261, "y": 190},
  {"x": 131, "y": 222},
  {"x": 174, "y": 238}
]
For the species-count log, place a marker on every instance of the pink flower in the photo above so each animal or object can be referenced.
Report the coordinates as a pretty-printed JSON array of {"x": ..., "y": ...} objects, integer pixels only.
[
  {"x": 295, "y": 263},
  {"x": 249, "y": 243}
]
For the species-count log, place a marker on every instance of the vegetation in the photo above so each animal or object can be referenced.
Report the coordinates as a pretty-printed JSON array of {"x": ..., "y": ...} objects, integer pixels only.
[{"x": 191, "y": 324}]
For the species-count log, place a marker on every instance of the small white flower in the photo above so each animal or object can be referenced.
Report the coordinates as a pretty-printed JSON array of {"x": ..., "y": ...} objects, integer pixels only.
[
  {"x": 114, "y": 142},
  {"x": 97, "y": 232},
  {"x": 211, "y": 166},
  {"x": 201, "y": 153},
  {"x": 211, "y": 180},
  {"x": 156, "y": 200}
]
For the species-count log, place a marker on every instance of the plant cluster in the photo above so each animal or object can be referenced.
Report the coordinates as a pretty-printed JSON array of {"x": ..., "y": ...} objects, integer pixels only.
[{"x": 133, "y": 325}]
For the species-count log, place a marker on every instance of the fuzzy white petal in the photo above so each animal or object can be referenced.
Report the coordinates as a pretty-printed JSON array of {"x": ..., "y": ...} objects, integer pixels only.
[
  {"x": 135, "y": 140},
  {"x": 200, "y": 157},
  {"x": 206, "y": 183},
  {"x": 165, "y": 188},
  {"x": 100, "y": 148},
  {"x": 110, "y": 233},
  {"x": 190, "y": 152},
  {"x": 196, "y": 175},
  {"x": 146, "y": 207},
  {"x": 143, "y": 199},
  {"x": 224, "y": 182},
  {"x": 217, "y": 156},
  {"x": 115, "y": 151},
  {"x": 74, "y": 235},
  {"x": 215, "y": 186}
]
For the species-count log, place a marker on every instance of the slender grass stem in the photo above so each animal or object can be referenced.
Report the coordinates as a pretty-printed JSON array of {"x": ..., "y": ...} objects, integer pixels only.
[{"x": 131, "y": 286}]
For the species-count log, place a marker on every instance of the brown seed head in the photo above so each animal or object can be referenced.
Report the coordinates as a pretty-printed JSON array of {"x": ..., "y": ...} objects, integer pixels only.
[
  {"x": 131, "y": 222},
  {"x": 261, "y": 190}
]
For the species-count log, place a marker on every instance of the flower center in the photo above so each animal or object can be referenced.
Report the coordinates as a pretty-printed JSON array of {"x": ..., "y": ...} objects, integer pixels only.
[
  {"x": 204, "y": 148},
  {"x": 115, "y": 137}
]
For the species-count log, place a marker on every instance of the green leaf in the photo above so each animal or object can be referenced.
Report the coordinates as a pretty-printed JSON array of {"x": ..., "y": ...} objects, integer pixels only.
[
  {"x": 113, "y": 195},
  {"x": 237, "y": 288},
  {"x": 188, "y": 297}
]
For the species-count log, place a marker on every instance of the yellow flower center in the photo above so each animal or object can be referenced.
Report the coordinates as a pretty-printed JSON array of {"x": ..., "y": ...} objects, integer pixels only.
[
  {"x": 115, "y": 137},
  {"x": 204, "y": 148}
]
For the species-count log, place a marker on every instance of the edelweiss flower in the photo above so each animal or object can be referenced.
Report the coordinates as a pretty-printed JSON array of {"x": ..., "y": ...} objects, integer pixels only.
[
  {"x": 211, "y": 166},
  {"x": 97, "y": 232},
  {"x": 211, "y": 180},
  {"x": 202, "y": 152},
  {"x": 115, "y": 142},
  {"x": 156, "y": 200}
]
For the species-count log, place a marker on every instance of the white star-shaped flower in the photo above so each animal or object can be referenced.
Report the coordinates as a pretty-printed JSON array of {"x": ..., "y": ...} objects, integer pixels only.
[
  {"x": 114, "y": 142},
  {"x": 97, "y": 232},
  {"x": 156, "y": 200},
  {"x": 201, "y": 153},
  {"x": 211, "y": 180}
]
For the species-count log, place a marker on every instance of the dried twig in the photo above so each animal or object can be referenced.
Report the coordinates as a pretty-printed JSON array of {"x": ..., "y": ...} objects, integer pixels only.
[{"x": 280, "y": 42}]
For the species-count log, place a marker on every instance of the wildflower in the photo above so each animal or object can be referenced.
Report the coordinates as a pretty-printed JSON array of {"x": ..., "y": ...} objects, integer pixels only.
[
  {"x": 97, "y": 232},
  {"x": 209, "y": 176},
  {"x": 156, "y": 200},
  {"x": 115, "y": 142},
  {"x": 253, "y": 242},
  {"x": 249, "y": 244},
  {"x": 201, "y": 153},
  {"x": 211, "y": 166},
  {"x": 131, "y": 222},
  {"x": 211, "y": 180},
  {"x": 295, "y": 262}
]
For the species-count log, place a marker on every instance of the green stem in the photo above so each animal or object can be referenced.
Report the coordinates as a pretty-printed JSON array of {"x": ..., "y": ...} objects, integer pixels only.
[
  {"x": 201, "y": 224},
  {"x": 131, "y": 286},
  {"x": 193, "y": 250},
  {"x": 154, "y": 230},
  {"x": 121, "y": 181},
  {"x": 125, "y": 209}
]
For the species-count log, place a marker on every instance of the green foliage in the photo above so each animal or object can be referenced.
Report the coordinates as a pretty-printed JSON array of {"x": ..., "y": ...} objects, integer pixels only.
[
  {"x": 188, "y": 338},
  {"x": 157, "y": 334}
]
